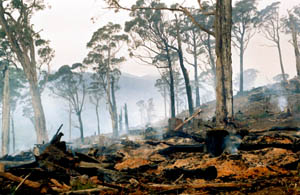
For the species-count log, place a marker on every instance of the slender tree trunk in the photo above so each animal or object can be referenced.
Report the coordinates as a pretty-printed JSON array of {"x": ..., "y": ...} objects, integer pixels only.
[
  {"x": 224, "y": 96},
  {"x": 121, "y": 121},
  {"x": 110, "y": 107},
  {"x": 172, "y": 94},
  {"x": 177, "y": 99},
  {"x": 80, "y": 126},
  {"x": 5, "y": 113},
  {"x": 109, "y": 101},
  {"x": 185, "y": 75},
  {"x": 211, "y": 59},
  {"x": 39, "y": 116},
  {"x": 13, "y": 132},
  {"x": 126, "y": 118},
  {"x": 295, "y": 44},
  {"x": 187, "y": 84},
  {"x": 97, "y": 115},
  {"x": 241, "y": 67},
  {"x": 280, "y": 56},
  {"x": 165, "y": 102},
  {"x": 281, "y": 62},
  {"x": 197, "y": 91},
  {"x": 70, "y": 121},
  {"x": 114, "y": 104}
]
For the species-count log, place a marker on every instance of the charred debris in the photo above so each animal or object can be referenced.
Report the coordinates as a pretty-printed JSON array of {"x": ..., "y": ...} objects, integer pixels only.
[{"x": 257, "y": 153}]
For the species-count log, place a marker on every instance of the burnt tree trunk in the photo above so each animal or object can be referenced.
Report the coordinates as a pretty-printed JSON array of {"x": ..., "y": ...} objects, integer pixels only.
[
  {"x": 5, "y": 112},
  {"x": 172, "y": 93},
  {"x": 224, "y": 96},
  {"x": 114, "y": 106},
  {"x": 185, "y": 74}
]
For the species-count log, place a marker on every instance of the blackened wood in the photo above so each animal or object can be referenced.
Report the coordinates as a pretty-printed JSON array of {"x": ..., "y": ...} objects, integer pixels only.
[
  {"x": 182, "y": 148},
  {"x": 208, "y": 173},
  {"x": 215, "y": 141}
]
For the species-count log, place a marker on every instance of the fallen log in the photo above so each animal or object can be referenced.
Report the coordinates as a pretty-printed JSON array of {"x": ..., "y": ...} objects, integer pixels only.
[
  {"x": 11, "y": 164},
  {"x": 187, "y": 120},
  {"x": 259, "y": 146},
  {"x": 98, "y": 165},
  {"x": 166, "y": 187},
  {"x": 106, "y": 175},
  {"x": 182, "y": 148},
  {"x": 208, "y": 173},
  {"x": 56, "y": 138},
  {"x": 286, "y": 128},
  {"x": 98, "y": 190},
  {"x": 86, "y": 158},
  {"x": 31, "y": 184},
  {"x": 193, "y": 136}
]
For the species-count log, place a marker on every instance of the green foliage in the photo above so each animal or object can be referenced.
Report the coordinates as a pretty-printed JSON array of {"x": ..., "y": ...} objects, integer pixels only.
[{"x": 103, "y": 56}]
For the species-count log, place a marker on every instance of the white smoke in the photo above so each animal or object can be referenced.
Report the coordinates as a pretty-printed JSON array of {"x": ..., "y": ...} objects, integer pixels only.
[
  {"x": 232, "y": 143},
  {"x": 282, "y": 103}
]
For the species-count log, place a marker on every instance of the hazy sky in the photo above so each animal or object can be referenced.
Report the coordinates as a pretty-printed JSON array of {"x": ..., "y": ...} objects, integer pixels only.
[{"x": 69, "y": 26}]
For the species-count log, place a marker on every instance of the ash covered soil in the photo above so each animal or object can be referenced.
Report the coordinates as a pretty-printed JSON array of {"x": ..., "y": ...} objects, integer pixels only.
[{"x": 261, "y": 155}]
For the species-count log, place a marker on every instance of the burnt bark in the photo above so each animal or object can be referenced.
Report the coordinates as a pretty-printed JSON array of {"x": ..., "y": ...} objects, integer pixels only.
[
  {"x": 185, "y": 74},
  {"x": 172, "y": 93},
  {"x": 114, "y": 106},
  {"x": 224, "y": 95}
]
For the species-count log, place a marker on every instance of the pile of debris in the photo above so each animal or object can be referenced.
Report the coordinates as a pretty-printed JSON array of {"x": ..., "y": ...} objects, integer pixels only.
[{"x": 177, "y": 162}]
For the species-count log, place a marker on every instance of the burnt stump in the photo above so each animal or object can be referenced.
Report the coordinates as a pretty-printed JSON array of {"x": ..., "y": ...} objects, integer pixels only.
[{"x": 214, "y": 141}]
